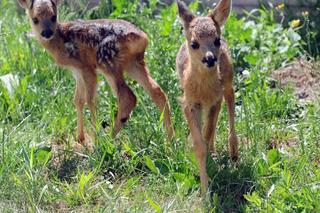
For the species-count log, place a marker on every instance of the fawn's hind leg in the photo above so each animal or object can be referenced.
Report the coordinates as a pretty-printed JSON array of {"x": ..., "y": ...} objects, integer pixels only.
[
  {"x": 233, "y": 139},
  {"x": 139, "y": 72},
  {"x": 209, "y": 130},
  {"x": 126, "y": 99},
  {"x": 193, "y": 116},
  {"x": 229, "y": 96}
]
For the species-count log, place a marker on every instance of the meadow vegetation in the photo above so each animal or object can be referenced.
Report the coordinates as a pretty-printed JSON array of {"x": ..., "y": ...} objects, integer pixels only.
[{"x": 140, "y": 170}]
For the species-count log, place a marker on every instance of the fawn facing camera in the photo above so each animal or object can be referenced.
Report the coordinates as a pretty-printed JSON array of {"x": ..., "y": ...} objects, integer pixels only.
[
  {"x": 110, "y": 46},
  {"x": 205, "y": 69}
]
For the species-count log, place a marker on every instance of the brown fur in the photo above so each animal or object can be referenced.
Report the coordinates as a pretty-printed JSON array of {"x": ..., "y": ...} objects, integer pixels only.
[
  {"x": 111, "y": 46},
  {"x": 206, "y": 83}
]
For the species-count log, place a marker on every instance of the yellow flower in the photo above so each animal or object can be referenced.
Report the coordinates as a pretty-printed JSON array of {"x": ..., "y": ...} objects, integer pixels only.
[
  {"x": 305, "y": 14},
  {"x": 280, "y": 6},
  {"x": 295, "y": 23}
]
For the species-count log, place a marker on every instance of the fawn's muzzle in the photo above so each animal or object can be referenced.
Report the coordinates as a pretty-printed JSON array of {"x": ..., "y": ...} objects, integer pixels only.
[
  {"x": 210, "y": 61},
  {"x": 47, "y": 33}
]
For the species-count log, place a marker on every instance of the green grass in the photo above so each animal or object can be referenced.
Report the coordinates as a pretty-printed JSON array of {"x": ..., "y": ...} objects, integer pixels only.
[{"x": 141, "y": 171}]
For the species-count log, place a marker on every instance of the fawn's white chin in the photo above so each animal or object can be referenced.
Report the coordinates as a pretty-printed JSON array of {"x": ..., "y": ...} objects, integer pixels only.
[{"x": 47, "y": 39}]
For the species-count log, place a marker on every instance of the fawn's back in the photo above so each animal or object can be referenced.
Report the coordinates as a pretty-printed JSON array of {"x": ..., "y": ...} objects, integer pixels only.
[{"x": 100, "y": 43}]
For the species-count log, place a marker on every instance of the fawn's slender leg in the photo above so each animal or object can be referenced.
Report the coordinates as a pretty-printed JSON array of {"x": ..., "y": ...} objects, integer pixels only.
[
  {"x": 90, "y": 79},
  {"x": 229, "y": 96},
  {"x": 233, "y": 139},
  {"x": 139, "y": 72},
  {"x": 193, "y": 116},
  {"x": 79, "y": 101},
  {"x": 126, "y": 99},
  {"x": 210, "y": 127}
]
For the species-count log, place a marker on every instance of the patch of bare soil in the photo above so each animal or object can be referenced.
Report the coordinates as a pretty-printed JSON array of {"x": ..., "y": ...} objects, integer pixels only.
[
  {"x": 303, "y": 76},
  {"x": 68, "y": 158}
]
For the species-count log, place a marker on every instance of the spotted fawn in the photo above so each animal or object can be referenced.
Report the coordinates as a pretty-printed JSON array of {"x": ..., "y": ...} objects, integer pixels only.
[
  {"x": 205, "y": 69},
  {"x": 110, "y": 46}
]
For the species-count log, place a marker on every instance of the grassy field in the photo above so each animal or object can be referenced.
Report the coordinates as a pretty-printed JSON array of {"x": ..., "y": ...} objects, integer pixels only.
[{"x": 140, "y": 171}]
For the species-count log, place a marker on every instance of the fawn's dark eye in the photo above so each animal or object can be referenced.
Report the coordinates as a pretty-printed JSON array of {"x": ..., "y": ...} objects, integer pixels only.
[
  {"x": 54, "y": 18},
  {"x": 195, "y": 45},
  {"x": 35, "y": 21},
  {"x": 217, "y": 42}
]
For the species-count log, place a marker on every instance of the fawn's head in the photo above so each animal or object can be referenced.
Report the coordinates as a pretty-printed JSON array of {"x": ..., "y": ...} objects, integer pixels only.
[
  {"x": 204, "y": 33},
  {"x": 43, "y": 17}
]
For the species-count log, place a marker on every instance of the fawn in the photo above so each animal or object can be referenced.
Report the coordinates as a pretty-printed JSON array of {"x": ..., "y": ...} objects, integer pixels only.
[
  {"x": 205, "y": 69},
  {"x": 111, "y": 46}
]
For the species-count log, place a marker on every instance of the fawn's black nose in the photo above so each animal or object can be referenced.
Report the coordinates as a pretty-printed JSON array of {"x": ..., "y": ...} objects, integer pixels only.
[
  {"x": 47, "y": 33},
  {"x": 210, "y": 61}
]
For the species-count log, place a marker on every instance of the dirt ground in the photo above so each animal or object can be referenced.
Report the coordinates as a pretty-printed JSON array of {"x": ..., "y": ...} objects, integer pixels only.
[{"x": 303, "y": 76}]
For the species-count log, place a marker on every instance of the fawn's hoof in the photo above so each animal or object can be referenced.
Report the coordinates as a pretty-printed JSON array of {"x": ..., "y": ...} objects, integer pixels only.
[
  {"x": 171, "y": 133},
  {"x": 211, "y": 149},
  {"x": 81, "y": 138},
  {"x": 234, "y": 158},
  {"x": 85, "y": 142},
  {"x": 233, "y": 148}
]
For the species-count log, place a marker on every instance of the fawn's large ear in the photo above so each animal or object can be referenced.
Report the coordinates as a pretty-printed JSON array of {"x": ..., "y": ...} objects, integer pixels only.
[
  {"x": 221, "y": 13},
  {"x": 184, "y": 13},
  {"x": 26, "y": 4}
]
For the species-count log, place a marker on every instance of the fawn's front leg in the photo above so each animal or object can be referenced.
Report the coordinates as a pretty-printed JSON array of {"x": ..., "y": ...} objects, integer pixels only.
[
  {"x": 193, "y": 116},
  {"x": 86, "y": 86},
  {"x": 79, "y": 101},
  {"x": 209, "y": 130},
  {"x": 233, "y": 139}
]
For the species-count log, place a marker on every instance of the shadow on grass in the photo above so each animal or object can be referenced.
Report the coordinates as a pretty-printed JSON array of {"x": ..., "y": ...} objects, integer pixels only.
[{"x": 229, "y": 183}]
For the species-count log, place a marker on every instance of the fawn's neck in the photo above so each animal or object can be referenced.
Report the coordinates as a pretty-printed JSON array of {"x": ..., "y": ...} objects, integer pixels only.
[
  {"x": 53, "y": 44},
  {"x": 200, "y": 71}
]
